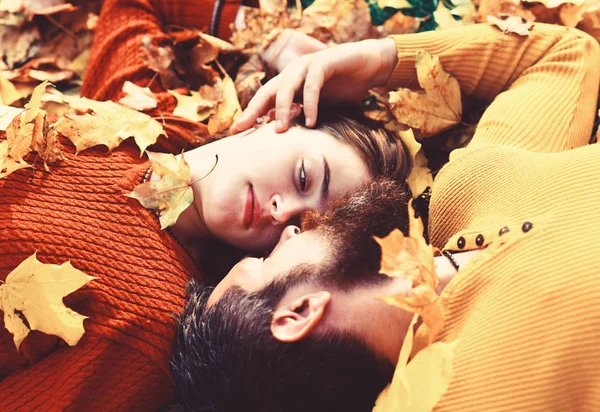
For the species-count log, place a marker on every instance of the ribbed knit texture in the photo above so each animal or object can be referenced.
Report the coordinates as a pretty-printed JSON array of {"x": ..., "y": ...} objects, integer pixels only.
[
  {"x": 78, "y": 212},
  {"x": 526, "y": 309}
]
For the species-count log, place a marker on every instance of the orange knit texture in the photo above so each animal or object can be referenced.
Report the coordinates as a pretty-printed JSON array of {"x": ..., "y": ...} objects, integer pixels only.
[
  {"x": 79, "y": 212},
  {"x": 525, "y": 310}
]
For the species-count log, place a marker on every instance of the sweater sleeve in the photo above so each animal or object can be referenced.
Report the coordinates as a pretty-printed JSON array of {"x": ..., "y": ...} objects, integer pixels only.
[
  {"x": 544, "y": 86},
  {"x": 96, "y": 374},
  {"x": 116, "y": 57}
]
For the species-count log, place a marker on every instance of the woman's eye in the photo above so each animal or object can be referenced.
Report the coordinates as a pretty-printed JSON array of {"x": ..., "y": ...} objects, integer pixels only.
[{"x": 302, "y": 177}]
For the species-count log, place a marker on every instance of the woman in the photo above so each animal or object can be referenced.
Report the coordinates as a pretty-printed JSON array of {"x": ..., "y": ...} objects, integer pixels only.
[
  {"x": 522, "y": 305},
  {"x": 79, "y": 212}
]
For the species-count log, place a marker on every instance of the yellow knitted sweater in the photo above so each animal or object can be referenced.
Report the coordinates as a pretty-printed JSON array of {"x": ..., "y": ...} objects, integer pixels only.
[{"x": 526, "y": 310}]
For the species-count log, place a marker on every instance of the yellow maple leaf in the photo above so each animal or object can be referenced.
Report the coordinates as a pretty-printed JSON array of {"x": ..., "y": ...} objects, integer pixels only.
[
  {"x": 435, "y": 109},
  {"x": 170, "y": 195},
  {"x": 110, "y": 124},
  {"x": 195, "y": 107},
  {"x": 411, "y": 258},
  {"x": 512, "y": 24},
  {"x": 228, "y": 110},
  {"x": 418, "y": 386},
  {"x": 137, "y": 98},
  {"x": 36, "y": 290}
]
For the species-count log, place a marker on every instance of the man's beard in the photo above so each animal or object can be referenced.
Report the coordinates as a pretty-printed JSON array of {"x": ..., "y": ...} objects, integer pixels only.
[{"x": 349, "y": 226}]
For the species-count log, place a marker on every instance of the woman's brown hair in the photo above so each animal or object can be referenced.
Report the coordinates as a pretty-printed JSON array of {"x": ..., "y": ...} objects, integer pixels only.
[{"x": 382, "y": 151}]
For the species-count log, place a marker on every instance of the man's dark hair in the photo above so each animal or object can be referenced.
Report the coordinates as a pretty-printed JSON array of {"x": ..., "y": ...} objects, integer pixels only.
[{"x": 225, "y": 357}]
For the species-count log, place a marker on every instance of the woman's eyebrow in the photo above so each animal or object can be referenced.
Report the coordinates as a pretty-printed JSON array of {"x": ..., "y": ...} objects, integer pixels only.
[{"x": 325, "y": 184}]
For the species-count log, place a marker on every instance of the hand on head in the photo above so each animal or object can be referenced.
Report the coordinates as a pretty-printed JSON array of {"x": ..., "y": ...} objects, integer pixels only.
[{"x": 341, "y": 74}]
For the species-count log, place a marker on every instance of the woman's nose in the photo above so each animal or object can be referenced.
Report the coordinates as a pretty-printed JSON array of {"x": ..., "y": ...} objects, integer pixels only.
[
  {"x": 282, "y": 211},
  {"x": 289, "y": 232}
]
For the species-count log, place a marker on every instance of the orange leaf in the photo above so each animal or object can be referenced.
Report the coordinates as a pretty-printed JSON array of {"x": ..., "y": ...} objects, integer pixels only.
[
  {"x": 411, "y": 258},
  {"x": 435, "y": 109}
]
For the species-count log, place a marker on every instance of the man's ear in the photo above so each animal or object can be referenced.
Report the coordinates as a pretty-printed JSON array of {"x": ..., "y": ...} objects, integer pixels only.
[{"x": 297, "y": 319}]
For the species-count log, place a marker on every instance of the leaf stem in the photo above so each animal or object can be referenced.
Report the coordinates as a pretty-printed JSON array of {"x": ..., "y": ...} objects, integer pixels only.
[
  {"x": 62, "y": 27},
  {"x": 209, "y": 172}
]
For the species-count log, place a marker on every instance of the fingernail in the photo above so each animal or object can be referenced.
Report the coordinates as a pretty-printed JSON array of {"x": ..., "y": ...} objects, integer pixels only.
[
  {"x": 307, "y": 121},
  {"x": 279, "y": 124}
]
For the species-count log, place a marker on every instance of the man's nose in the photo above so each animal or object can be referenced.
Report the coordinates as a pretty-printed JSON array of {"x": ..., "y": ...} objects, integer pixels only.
[
  {"x": 289, "y": 232},
  {"x": 284, "y": 210}
]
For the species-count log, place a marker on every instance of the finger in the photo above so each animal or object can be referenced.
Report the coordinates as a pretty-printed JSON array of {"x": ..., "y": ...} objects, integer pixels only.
[
  {"x": 290, "y": 84},
  {"x": 312, "y": 91},
  {"x": 258, "y": 105}
]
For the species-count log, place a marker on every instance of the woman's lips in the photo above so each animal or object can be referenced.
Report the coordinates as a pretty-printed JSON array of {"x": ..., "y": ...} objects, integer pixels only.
[{"x": 252, "y": 210}]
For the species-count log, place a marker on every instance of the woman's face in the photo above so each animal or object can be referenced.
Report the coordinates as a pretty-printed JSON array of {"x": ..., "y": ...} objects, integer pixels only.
[{"x": 264, "y": 180}]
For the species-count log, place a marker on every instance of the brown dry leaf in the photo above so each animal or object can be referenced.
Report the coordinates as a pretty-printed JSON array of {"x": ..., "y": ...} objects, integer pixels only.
[
  {"x": 36, "y": 291},
  {"x": 338, "y": 21},
  {"x": 137, "y": 98},
  {"x": 503, "y": 7},
  {"x": 228, "y": 110},
  {"x": 29, "y": 131},
  {"x": 49, "y": 10},
  {"x": 19, "y": 136},
  {"x": 400, "y": 24},
  {"x": 45, "y": 141},
  {"x": 68, "y": 46},
  {"x": 411, "y": 258},
  {"x": 258, "y": 29},
  {"x": 249, "y": 79},
  {"x": 201, "y": 54},
  {"x": 436, "y": 109},
  {"x": 195, "y": 107},
  {"x": 221, "y": 45},
  {"x": 170, "y": 195},
  {"x": 160, "y": 60},
  {"x": 53, "y": 69},
  {"x": 420, "y": 177},
  {"x": 19, "y": 44},
  {"x": 418, "y": 385},
  {"x": 110, "y": 124},
  {"x": 511, "y": 24}
]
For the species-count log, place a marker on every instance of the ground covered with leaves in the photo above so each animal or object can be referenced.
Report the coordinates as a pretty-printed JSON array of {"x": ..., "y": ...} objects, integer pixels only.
[{"x": 48, "y": 42}]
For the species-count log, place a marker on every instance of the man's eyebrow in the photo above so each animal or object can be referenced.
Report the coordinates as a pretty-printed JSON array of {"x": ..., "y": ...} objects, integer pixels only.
[{"x": 325, "y": 184}]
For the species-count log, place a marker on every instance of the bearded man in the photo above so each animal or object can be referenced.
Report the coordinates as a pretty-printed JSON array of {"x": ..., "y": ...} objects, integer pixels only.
[{"x": 303, "y": 329}]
